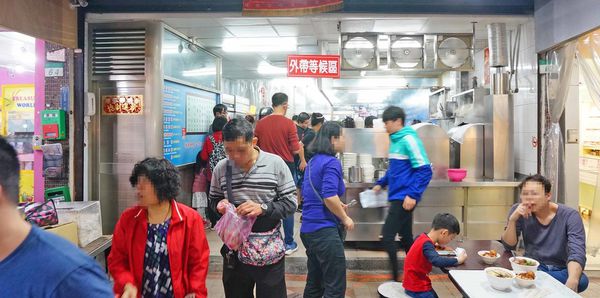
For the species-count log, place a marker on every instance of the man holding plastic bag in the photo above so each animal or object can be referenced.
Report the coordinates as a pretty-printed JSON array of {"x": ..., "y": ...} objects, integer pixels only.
[{"x": 251, "y": 188}]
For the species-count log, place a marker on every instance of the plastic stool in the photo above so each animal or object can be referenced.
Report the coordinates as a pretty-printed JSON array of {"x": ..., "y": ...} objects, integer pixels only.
[{"x": 391, "y": 289}]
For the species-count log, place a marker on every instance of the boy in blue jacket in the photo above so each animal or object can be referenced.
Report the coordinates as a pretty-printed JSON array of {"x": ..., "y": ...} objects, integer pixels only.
[{"x": 407, "y": 178}]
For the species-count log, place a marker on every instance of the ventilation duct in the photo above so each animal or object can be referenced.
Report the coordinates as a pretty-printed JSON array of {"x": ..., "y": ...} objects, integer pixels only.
[
  {"x": 498, "y": 45},
  {"x": 359, "y": 52},
  {"x": 454, "y": 52},
  {"x": 406, "y": 52},
  {"x": 118, "y": 53}
]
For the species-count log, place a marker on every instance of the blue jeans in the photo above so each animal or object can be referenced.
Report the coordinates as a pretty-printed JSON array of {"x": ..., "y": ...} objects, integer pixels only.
[
  {"x": 428, "y": 294},
  {"x": 326, "y": 263},
  {"x": 561, "y": 274},
  {"x": 288, "y": 222}
]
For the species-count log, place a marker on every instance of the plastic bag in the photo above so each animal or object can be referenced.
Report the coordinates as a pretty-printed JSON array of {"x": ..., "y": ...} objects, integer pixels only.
[
  {"x": 370, "y": 199},
  {"x": 234, "y": 229}
]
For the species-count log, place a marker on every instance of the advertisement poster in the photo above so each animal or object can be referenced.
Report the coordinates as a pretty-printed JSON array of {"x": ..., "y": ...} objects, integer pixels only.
[
  {"x": 187, "y": 114},
  {"x": 17, "y": 108},
  {"x": 486, "y": 67},
  {"x": 122, "y": 105},
  {"x": 26, "y": 186}
]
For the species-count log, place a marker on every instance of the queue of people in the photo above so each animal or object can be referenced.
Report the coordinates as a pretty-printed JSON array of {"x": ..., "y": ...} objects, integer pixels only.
[{"x": 160, "y": 247}]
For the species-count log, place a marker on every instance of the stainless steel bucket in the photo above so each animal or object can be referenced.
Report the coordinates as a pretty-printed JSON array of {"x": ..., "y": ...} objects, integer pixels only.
[{"x": 355, "y": 174}]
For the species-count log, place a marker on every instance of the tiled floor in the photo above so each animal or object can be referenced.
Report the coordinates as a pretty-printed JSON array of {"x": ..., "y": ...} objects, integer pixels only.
[
  {"x": 359, "y": 285},
  {"x": 365, "y": 286}
]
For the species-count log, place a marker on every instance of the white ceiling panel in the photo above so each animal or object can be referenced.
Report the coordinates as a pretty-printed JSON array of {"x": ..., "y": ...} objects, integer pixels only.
[
  {"x": 294, "y": 30},
  {"x": 206, "y": 32},
  {"x": 243, "y": 21},
  {"x": 191, "y": 22},
  {"x": 401, "y": 25},
  {"x": 306, "y": 40},
  {"x": 210, "y": 42},
  {"x": 290, "y": 21},
  {"x": 252, "y": 31},
  {"x": 357, "y": 26},
  {"x": 325, "y": 27}
]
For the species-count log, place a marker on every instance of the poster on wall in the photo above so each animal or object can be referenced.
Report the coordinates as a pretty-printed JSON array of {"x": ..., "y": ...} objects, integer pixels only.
[
  {"x": 122, "y": 105},
  {"x": 486, "y": 67},
  {"x": 18, "y": 108},
  {"x": 187, "y": 114}
]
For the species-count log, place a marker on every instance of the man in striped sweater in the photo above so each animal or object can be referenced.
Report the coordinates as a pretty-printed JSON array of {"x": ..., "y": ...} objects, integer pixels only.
[{"x": 261, "y": 186}]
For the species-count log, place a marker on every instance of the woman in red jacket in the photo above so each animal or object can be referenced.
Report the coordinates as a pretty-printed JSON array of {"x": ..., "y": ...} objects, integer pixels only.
[{"x": 159, "y": 247}]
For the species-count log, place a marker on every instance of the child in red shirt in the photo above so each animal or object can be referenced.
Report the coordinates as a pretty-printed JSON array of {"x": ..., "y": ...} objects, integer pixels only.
[{"x": 422, "y": 256}]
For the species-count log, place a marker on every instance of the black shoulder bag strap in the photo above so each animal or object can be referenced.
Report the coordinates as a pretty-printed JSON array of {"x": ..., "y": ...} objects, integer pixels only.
[
  {"x": 341, "y": 229},
  {"x": 228, "y": 178},
  {"x": 230, "y": 256}
]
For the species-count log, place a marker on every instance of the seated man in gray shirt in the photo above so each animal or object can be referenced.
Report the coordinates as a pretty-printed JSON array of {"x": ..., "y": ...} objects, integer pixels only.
[
  {"x": 261, "y": 186},
  {"x": 553, "y": 233}
]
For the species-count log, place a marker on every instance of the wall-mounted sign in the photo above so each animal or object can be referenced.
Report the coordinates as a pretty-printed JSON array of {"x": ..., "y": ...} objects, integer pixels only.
[
  {"x": 315, "y": 66},
  {"x": 54, "y": 69},
  {"x": 187, "y": 114},
  {"x": 289, "y": 7},
  {"x": 58, "y": 55},
  {"x": 122, "y": 104},
  {"x": 486, "y": 67}
]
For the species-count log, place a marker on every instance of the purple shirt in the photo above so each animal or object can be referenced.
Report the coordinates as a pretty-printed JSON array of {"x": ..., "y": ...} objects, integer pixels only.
[
  {"x": 556, "y": 244},
  {"x": 325, "y": 172}
]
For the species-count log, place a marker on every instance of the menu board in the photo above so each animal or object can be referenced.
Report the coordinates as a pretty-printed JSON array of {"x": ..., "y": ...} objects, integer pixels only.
[{"x": 187, "y": 114}]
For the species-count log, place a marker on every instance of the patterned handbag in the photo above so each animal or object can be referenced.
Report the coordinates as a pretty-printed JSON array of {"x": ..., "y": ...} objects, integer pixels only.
[
  {"x": 262, "y": 249},
  {"x": 41, "y": 214}
]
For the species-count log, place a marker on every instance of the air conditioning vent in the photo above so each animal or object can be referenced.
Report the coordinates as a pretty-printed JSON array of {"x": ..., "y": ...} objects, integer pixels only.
[
  {"x": 118, "y": 52},
  {"x": 454, "y": 52},
  {"x": 359, "y": 52},
  {"x": 406, "y": 52}
]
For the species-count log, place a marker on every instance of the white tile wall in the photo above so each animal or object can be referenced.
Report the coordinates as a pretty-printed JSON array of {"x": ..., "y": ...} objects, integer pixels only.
[{"x": 525, "y": 104}]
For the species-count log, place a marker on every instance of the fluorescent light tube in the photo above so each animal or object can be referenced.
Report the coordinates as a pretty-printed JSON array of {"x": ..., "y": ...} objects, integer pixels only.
[
  {"x": 270, "y": 44},
  {"x": 267, "y": 69}
]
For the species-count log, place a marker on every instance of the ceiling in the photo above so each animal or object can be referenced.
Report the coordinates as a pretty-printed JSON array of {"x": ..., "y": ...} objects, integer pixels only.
[
  {"x": 17, "y": 51},
  {"x": 212, "y": 29}
]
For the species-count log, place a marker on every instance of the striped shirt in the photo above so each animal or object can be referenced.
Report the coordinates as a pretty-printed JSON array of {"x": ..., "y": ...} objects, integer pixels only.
[{"x": 269, "y": 181}]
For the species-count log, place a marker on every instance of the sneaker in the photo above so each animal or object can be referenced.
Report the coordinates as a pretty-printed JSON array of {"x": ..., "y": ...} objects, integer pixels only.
[{"x": 290, "y": 249}]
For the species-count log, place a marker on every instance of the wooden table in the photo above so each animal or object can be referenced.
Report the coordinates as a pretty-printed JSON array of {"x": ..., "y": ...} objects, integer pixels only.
[
  {"x": 474, "y": 261},
  {"x": 474, "y": 283}
]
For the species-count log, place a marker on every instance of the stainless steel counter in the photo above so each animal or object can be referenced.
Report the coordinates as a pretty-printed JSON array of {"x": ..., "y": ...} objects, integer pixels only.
[{"x": 481, "y": 206}]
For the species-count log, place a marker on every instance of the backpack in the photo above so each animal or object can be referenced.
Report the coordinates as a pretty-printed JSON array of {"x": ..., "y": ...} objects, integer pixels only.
[{"x": 217, "y": 154}]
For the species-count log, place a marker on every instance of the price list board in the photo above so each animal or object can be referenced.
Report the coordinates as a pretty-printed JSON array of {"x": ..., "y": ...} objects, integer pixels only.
[{"x": 187, "y": 114}]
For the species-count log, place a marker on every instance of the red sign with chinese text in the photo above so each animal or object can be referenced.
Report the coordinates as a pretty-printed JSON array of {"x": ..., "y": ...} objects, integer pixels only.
[
  {"x": 314, "y": 66},
  {"x": 289, "y": 7}
]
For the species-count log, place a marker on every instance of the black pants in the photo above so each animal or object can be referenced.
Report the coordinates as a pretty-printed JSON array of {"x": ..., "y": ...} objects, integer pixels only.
[
  {"x": 398, "y": 221},
  {"x": 213, "y": 217},
  {"x": 269, "y": 281},
  {"x": 326, "y": 264}
]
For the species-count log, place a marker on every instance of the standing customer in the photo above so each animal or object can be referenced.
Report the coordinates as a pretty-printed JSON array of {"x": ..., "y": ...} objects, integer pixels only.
[
  {"x": 35, "y": 263},
  {"x": 407, "y": 178},
  {"x": 159, "y": 247},
  {"x": 324, "y": 217},
  {"x": 212, "y": 152},
  {"x": 278, "y": 135},
  {"x": 260, "y": 186},
  {"x": 219, "y": 110}
]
